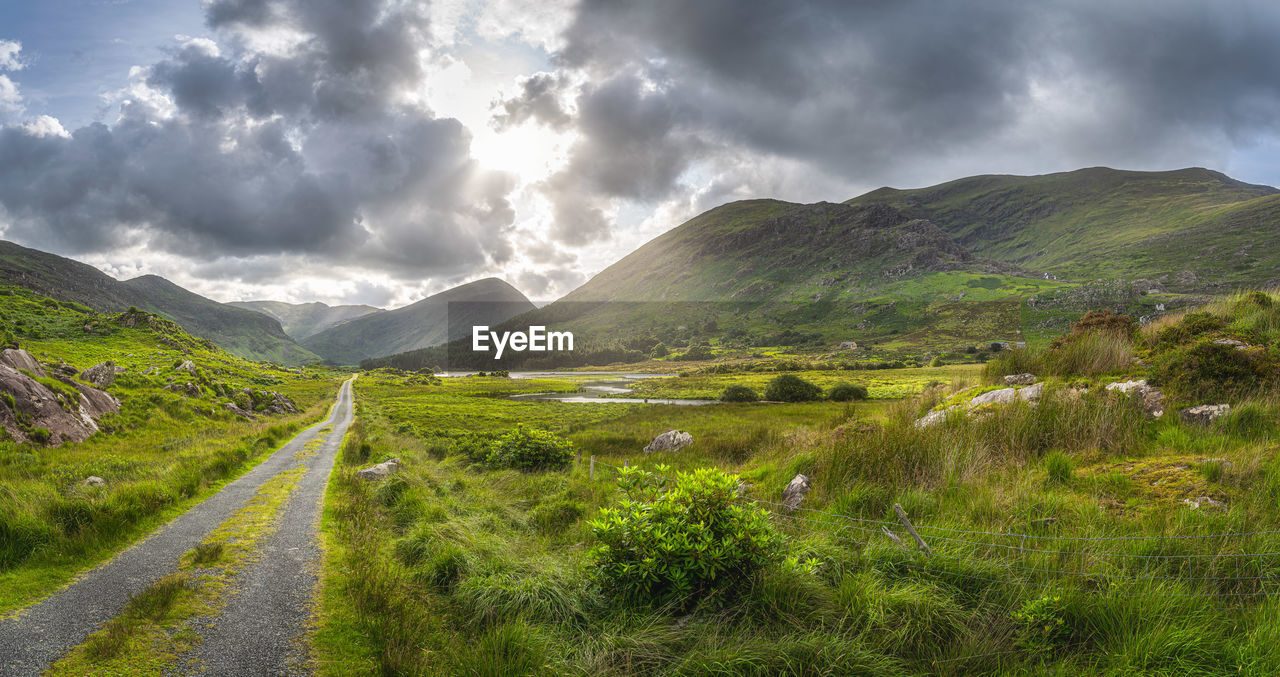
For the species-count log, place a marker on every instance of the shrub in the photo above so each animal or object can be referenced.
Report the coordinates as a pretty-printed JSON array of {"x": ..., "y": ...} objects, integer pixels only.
[
  {"x": 680, "y": 543},
  {"x": 791, "y": 388},
  {"x": 1192, "y": 326},
  {"x": 738, "y": 393},
  {"x": 1059, "y": 467},
  {"x": 936, "y": 361},
  {"x": 1040, "y": 624},
  {"x": 530, "y": 449},
  {"x": 845, "y": 392},
  {"x": 1209, "y": 371},
  {"x": 1104, "y": 322}
]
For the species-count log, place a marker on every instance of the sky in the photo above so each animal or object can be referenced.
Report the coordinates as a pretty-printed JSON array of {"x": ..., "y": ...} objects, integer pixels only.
[{"x": 378, "y": 151}]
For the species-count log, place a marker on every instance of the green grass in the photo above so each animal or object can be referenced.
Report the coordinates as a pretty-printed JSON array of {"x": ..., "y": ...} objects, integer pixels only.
[
  {"x": 162, "y": 453},
  {"x": 469, "y": 570}
]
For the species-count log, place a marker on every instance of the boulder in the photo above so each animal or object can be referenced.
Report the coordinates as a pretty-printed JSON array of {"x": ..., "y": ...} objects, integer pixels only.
[
  {"x": 1007, "y": 395},
  {"x": 933, "y": 418},
  {"x": 672, "y": 440},
  {"x": 189, "y": 367},
  {"x": 20, "y": 359},
  {"x": 35, "y": 406},
  {"x": 280, "y": 405},
  {"x": 1239, "y": 345},
  {"x": 187, "y": 389},
  {"x": 1204, "y": 414},
  {"x": 242, "y": 413},
  {"x": 1020, "y": 379},
  {"x": 1152, "y": 398},
  {"x": 93, "y": 481},
  {"x": 381, "y": 470},
  {"x": 794, "y": 494},
  {"x": 100, "y": 375}
]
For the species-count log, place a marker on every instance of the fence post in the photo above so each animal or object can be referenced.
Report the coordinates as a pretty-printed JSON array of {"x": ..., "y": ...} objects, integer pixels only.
[
  {"x": 592, "y": 474},
  {"x": 902, "y": 517},
  {"x": 579, "y": 457}
]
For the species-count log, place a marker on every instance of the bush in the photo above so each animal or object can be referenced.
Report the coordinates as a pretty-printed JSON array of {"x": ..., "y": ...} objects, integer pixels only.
[
  {"x": 738, "y": 393},
  {"x": 530, "y": 449},
  {"x": 1209, "y": 372},
  {"x": 681, "y": 543},
  {"x": 846, "y": 392},
  {"x": 791, "y": 388},
  {"x": 936, "y": 361}
]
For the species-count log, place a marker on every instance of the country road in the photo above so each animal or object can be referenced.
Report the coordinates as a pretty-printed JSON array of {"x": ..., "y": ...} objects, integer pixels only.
[{"x": 257, "y": 629}]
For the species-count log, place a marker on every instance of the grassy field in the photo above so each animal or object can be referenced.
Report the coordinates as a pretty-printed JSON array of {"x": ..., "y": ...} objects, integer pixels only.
[
  {"x": 1077, "y": 536},
  {"x": 161, "y": 454},
  {"x": 880, "y": 383}
]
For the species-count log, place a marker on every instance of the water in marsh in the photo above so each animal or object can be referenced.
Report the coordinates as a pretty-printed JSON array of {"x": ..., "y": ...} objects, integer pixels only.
[{"x": 594, "y": 391}]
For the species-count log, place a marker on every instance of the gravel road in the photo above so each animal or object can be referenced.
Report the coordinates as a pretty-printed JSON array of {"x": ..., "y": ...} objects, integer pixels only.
[{"x": 45, "y": 631}]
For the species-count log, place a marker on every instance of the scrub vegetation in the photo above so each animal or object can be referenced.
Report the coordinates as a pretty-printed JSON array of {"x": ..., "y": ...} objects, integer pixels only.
[{"x": 1075, "y": 535}]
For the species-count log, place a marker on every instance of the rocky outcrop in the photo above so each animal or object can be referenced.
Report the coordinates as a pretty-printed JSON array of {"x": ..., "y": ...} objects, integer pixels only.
[
  {"x": 1204, "y": 414},
  {"x": 672, "y": 440},
  {"x": 1020, "y": 379},
  {"x": 187, "y": 389},
  {"x": 242, "y": 413},
  {"x": 384, "y": 469},
  {"x": 20, "y": 359},
  {"x": 100, "y": 375},
  {"x": 1203, "y": 502},
  {"x": 1007, "y": 395},
  {"x": 189, "y": 367},
  {"x": 34, "y": 412},
  {"x": 795, "y": 492},
  {"x": 1151, "y": 397},
  {"x": 280, "y": 405}
]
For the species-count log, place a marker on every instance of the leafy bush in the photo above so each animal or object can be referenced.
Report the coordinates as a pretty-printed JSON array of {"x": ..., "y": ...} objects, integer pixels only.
[
  {"x": 845, "y": 392},
  {"x": 1192, "y": 326},
  {"x": 1040, "y": 624},
  {"x": 738, "y": 393},
  {"x": 936, "y": 361},
  {"x": 530, "y": 449},
  {"x": 791, "y": 388},
  {"x": 680, "y": 543}
]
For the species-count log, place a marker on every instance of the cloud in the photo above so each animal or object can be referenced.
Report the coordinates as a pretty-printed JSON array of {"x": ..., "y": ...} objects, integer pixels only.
[
  {"x": 862, "y": 94},
  {"x": 316, "y": 146},
  {"x": 9, "y": 50}
]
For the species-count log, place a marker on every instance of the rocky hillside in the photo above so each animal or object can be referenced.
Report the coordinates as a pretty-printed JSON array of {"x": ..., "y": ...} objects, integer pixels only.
[
  {"x": 420, "y": 325},
  {"x": 242, "y": 332},
  {"x": 301, "y": 320}
]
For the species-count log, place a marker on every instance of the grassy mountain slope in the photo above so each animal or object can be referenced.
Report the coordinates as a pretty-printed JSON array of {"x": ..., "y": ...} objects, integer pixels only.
[
  {"x": 300, "y": 320},
  {"x": 239, "y": 331},
  {"x": 419, "y": 325},
  {"x": 1195, "y": 227}
]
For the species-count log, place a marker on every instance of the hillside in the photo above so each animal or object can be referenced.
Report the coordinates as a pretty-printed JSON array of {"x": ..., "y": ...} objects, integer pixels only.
[
  {"x": 241, "y": 332},
  {"x": 420, "y": 325},
  {"x": 300, "y": 320},
  {"x": 1192, "y": 229}
]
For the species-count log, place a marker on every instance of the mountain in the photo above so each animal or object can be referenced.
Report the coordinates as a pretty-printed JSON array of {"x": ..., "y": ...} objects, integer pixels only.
[
  {"x": 300, "y": 320},
  {"x": 431, "y": 321},
  {"x": 241, "y": 332},
  {"x": 1194, "y": 227}
]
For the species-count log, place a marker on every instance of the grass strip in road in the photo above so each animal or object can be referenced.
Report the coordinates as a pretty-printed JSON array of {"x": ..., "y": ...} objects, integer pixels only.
[{"x": 156, "y": 641}]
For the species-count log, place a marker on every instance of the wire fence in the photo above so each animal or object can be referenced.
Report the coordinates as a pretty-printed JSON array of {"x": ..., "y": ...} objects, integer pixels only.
[{"x": 1220, "y": 565}]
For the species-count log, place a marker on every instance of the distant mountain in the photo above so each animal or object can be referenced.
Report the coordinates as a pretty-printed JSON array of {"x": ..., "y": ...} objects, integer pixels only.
[
  {"x": 300, "y": 320},
  {"x": 1195, "y": 227},
  {"x": 241, "y": 332},
  {"x": 419, "y": 325}
]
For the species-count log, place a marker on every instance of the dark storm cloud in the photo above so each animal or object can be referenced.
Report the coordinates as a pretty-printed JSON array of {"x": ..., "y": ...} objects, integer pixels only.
[
  {"x": 877, "y": 91},
  {"x": 539, "y": 99},
  {"x": 233, "y": 152}
]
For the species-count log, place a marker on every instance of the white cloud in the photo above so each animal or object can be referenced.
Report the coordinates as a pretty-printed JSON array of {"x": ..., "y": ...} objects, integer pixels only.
[{"x": 9, "y": 50}]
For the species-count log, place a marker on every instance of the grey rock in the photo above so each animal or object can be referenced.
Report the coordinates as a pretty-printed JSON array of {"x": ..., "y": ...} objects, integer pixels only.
[
  {"x": 1239, "y": 345},
  {"x": 1203, "y": 502},
  {"x": 795, "y": 492},
  {"x": 242, "y": 413},
  {"x": 381, "y": 470},
  {"x": 932, "y": 418},
  {"x": 1152, "y": 398},
  {"x": 1204, "y": 414},
  {"x": 40, "y": 407},
  {"x": 672, "y": 440},
  {"x": 187, "y": 389},
  {"x": 1020, "y": 379},
  {"x": 189, "y": 367},
  {"x": 100, "y": 375},
  {"x": 20, "y": 359},
  {"x": 93, "y": 481},
  {"x": 1007, "y": 395}
]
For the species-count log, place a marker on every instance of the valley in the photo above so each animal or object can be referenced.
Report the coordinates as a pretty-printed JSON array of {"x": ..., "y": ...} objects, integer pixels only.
[{"x": 1084, "y": 467}]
